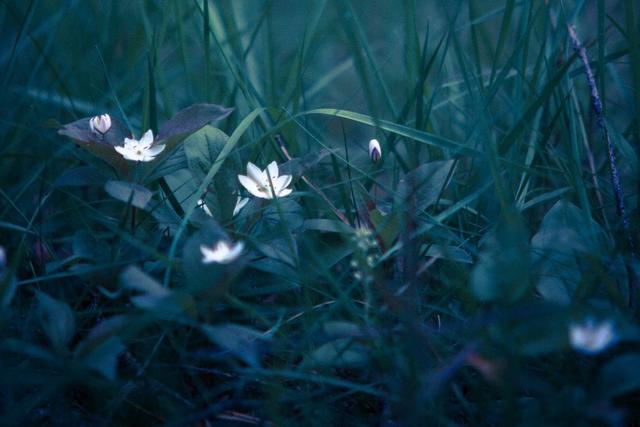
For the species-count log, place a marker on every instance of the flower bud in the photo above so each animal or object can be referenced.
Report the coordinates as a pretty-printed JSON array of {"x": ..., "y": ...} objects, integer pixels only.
[
  {"x": 100, "y": 124},
  {"x": 375, "y": 152}
]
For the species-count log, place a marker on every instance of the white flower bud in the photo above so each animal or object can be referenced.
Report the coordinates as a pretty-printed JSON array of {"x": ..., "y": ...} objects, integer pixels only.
[
  {"x": 100, "y": 124},
  {"x": 375, "y": 151}
]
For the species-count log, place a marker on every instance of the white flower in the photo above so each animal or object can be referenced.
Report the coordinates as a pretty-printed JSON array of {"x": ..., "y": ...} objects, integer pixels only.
[
  {"x": 100, "y": 124},
  {"x": 141, "y": 150},
  {"x": 203, "y": 205},
  {"x": 221, "y": 253},
  {"x": 375, "y": 151},
  {"x": 240, "y": 203},
  {"x": 591, "y": 337},
  {"x": 259, "y": 183}
]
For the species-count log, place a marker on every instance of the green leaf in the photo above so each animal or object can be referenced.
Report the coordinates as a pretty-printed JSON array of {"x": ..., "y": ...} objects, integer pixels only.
[
  {"x": 327, "y": 226},
  {"x": 153, "y": 296},
  {"x": 201, "y": 150},
  {"x": 425, "y": 183},
  {"x": 417, "y": 135},
  {"x": 500, "y": 274},
  {"x": 292, "y": 215},
  {"x": 104, "y": 357},
  {"x": 244, "y": 343},
  {"x": 126, "y": 192},
  {"x": 135, "y": 279},
  {"x": 86, "y": 246},
  {"x": 564, "y": 234},
  {"x": 172, "y": 304},
  {"x": 387, "y": 226},
  {"x": 57, "y": 320}
]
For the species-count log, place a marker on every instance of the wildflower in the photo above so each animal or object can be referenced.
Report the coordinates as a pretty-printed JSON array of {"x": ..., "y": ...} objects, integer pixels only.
[
  {"x": 240, "y": 203},
  {"x": 221, "y": 253},
  {"x": 363, "y": 237},
  {"x": 201, "y": 204},
  {"x": 591, "y": 337},
  {"x": 265, "y": 184},
  {"x": 375, "y": 151},
  {"x": 141, "y": 150},
  {"x": 100, "y": 124}
]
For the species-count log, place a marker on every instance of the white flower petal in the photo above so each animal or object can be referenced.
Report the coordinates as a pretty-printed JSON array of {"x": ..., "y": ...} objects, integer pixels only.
[
  {"x": 255, "y": 173},
  {"x": 252, "y": 186},
  {"x": 100, "y": 124},
  {"x": 235, "y": 251},
  {"x": 590, "y": 337},
  {"x": 156, "y": 149},
  {"x": 130, "y": 142},
  {"x": 221, "y": 253},
  {"x": 272, "y": 169},
  {"x": 147, "y": 138},
  {"x": 285, "y": 192},
  {"x": 240, "y": 203},
  {"x": 282, "y": 182}
]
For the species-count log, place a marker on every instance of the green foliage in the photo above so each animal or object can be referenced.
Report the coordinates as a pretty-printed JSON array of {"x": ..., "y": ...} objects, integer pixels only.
[{"x": 469, "y": 277}]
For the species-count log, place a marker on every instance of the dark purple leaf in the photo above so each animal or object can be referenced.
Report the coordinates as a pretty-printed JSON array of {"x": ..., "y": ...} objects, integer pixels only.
[
  {"x": 190, "y": 120},
  {"x": 100, "y": 145}
]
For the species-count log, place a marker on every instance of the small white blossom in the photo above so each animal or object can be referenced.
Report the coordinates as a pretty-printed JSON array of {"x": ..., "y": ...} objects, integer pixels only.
[
  {"x": 203, "y": 206},
  {"x": 375, "y": 151},
  {"x": 591, "y": 337},
  {"x": 240, "y": 203},
  {"x": 259, "y": 183},
  {"x": 221, "y": 253},
  {"x": 100, "y": 124},
  {"x": 141, "y": 150}
]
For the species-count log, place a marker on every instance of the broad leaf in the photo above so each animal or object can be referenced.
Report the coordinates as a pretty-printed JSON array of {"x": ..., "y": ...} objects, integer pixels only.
[
  {"x": 126, "y": 191},
  {"x": 57, "y": 320},
  {"x": 244, "y": 343},
  {"x": 201, "y": 150},
  {"x": 425, "y": 183},
  {"x": 501, "y": 272},
  {"x": 188, "y": 121},
  {"x": 100, "y": 145},
  {"x": 566, "y": 239}
]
